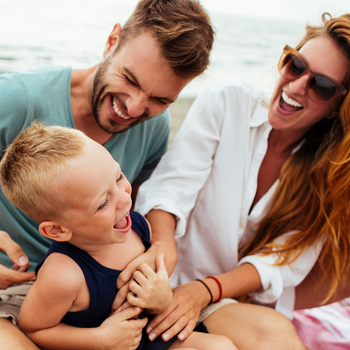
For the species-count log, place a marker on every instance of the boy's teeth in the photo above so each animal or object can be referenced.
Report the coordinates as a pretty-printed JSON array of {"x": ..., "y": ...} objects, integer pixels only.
[
  {"x": 289, "y": 101},
  {"x": 118, "y": 112}
]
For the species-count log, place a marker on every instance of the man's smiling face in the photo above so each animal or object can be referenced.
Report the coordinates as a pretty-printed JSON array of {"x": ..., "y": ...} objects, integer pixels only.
[{"x": 133, "y": 84}]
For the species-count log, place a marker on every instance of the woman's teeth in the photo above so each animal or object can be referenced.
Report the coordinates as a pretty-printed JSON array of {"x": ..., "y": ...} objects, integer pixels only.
[
  {"x": 289, "y": 101},
  {"x": 118, "y": 112}
]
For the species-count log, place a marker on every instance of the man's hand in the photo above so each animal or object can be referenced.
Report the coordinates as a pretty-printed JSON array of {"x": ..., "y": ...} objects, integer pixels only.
[
  {"x": 150, "y": 290},
  {"x": 18, "y": 273}
]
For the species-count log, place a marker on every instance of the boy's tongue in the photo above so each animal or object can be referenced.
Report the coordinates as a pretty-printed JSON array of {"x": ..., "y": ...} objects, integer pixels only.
[{"x": 121, "y": 224}]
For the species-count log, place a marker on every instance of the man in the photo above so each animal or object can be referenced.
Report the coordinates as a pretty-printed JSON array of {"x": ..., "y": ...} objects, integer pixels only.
[{"x": 163, "y": 46}]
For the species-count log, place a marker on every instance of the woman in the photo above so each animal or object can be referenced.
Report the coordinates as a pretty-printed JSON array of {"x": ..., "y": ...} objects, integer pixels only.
[{"x": 260, "y": 191}]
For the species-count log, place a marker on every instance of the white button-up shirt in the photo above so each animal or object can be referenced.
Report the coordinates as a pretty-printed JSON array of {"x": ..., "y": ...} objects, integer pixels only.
[{"x": 208, "y": 180}]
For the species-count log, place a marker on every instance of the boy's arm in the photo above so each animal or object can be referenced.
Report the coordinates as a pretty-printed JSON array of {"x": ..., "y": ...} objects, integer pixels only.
[{"x": 58, "y": 285}]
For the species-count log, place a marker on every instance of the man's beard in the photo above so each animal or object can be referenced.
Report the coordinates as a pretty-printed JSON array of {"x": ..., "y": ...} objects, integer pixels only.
[{"x": 97, "y": 91}]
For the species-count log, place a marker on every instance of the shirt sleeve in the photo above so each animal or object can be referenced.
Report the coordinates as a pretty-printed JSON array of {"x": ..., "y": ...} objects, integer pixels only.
[
  {"x": 278, "y": 280},
  {"x": 183, "y": 170},
  {"x": 13, "y": 108}
]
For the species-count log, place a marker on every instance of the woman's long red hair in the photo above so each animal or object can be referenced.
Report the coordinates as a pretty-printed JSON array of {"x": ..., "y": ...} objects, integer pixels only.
[{"x": 314, "y": 188}]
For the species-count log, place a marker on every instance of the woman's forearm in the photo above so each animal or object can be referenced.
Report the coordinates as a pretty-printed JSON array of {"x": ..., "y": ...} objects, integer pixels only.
[
  {"x": 163, "y": 228},
  {"x": 242, "y": 280}
]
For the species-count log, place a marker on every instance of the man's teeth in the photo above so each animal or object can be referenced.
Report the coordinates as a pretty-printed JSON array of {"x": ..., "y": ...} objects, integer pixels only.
[
  {"x": 290, "y": 101},
  {"x": 118, "y": 112}
]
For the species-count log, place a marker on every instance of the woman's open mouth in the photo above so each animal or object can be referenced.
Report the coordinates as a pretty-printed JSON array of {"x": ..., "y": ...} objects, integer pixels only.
[{"x": 288, "y": 104}]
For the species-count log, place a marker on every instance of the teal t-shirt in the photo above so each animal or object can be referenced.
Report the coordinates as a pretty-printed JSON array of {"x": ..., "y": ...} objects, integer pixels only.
[{"x": 43, "y": 94}]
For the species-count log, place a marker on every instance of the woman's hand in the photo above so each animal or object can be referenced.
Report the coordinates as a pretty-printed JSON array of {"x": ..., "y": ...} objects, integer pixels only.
[
  {"x": 18, "y": 273},
  {"x": 183, "y": 313}
]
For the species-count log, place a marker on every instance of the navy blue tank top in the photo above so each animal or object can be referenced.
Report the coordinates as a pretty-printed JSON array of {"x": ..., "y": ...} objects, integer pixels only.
[{"x": 101, "y": 280}]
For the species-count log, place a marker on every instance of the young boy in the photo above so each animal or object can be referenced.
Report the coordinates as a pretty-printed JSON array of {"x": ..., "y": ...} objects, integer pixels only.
[{"x": 75, "y": 189}]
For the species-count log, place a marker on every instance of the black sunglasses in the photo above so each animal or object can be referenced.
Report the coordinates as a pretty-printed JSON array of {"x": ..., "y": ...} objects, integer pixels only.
[{"x": 320, "y": 87}]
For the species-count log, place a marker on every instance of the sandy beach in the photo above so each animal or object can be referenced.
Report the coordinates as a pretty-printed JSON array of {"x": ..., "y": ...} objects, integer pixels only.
[{"x": 178, "y": 112}]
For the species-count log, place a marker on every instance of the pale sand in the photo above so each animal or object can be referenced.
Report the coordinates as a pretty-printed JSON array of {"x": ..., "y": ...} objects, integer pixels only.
[{"x": 178, "y": 112}]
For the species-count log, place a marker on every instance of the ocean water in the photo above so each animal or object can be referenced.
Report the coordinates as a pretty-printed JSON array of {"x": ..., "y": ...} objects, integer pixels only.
[{"x": 73, "y": 32}]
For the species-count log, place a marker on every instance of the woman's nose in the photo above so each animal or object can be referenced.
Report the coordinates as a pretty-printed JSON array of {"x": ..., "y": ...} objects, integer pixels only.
[{"x": 298, "y": 86}]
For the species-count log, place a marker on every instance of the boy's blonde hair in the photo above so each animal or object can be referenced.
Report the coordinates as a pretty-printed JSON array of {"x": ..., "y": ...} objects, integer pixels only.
[{"x": 32, "y": 162}]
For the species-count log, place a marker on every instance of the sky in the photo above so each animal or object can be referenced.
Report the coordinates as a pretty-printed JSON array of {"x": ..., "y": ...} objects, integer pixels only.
[
  {"x": 300, "y": 9},
  {"x": 305, "y": 10}
]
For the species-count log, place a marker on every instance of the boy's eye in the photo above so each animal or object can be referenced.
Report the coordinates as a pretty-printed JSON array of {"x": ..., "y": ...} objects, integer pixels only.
[
  {"x": 121, "y": 177},
  {"x": 104, "y": 205}
]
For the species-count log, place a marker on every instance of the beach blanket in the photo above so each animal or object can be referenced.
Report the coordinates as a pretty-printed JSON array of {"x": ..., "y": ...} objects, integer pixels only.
[{"x": 326, "y": 327}]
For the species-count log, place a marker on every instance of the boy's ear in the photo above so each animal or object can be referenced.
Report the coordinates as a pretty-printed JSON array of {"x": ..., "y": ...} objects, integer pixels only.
[
  {"x": 112, "y": 40},
  {"x": 55, "y": 231}
]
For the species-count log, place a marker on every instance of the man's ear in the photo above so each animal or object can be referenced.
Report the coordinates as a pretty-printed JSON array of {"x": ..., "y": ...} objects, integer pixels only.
[
  {"x": 112, "y": 40},
  {"x": 55, "y": 231}
]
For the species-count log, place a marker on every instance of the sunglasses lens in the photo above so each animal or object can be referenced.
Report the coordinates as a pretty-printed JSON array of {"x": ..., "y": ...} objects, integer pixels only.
[
  {"x": 321, "y": 89},
  {"x": 292, "y": 67}
]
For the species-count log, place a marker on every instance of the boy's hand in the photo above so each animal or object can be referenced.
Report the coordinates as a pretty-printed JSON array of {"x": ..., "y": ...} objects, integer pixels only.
[
  {"x": 150, "y": 290},
  {"x": 122, "y": 329}
]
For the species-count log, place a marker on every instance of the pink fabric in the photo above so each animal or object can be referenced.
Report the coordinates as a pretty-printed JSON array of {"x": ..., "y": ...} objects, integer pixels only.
[{"x": 326, "y": 327}]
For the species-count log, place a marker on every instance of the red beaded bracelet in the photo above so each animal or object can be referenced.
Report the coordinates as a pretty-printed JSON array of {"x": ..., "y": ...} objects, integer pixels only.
[{"x": 220, "y": 287}]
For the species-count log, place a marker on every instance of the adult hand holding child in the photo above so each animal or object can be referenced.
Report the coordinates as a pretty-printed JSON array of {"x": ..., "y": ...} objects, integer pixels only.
[{"x": 18, "y": 273}]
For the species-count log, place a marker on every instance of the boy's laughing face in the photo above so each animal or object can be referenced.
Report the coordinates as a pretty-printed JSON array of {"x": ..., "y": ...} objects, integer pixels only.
[{"x": 97, "y": 199}]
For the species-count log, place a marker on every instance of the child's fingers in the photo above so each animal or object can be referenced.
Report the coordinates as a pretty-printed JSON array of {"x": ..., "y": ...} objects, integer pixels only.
[
  {"x": 135, "y": 288},
  {"x": 161, "y": 270},
  {"x": 140, "y": 278},
  {"x": 127, "y": 314},
  {"x": 121, "y": 297},
  {"x": 146, "y": 270},
  {"x": 124, "y": 306},
  {"x": 135, "y": 301}
]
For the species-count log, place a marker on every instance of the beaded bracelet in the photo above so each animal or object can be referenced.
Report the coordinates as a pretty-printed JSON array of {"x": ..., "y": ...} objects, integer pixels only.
[
  {"x": 211, "y": 295},
  {"x": 220, "y": 287}
]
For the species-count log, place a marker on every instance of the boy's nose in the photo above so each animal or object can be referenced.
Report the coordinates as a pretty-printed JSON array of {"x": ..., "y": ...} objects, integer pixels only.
[{"x": 123, "y": 200}]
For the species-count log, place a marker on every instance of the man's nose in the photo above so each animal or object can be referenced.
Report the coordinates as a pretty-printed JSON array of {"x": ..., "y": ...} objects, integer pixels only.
[{"x": 137, "y": 104}]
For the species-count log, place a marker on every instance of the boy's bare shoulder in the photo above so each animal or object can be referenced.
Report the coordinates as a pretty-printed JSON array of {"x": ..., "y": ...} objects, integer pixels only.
[{"x": 60, "y": 271}]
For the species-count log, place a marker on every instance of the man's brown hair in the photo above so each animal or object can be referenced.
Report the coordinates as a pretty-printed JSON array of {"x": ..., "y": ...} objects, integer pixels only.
[{"x": 182, "y": 29}]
